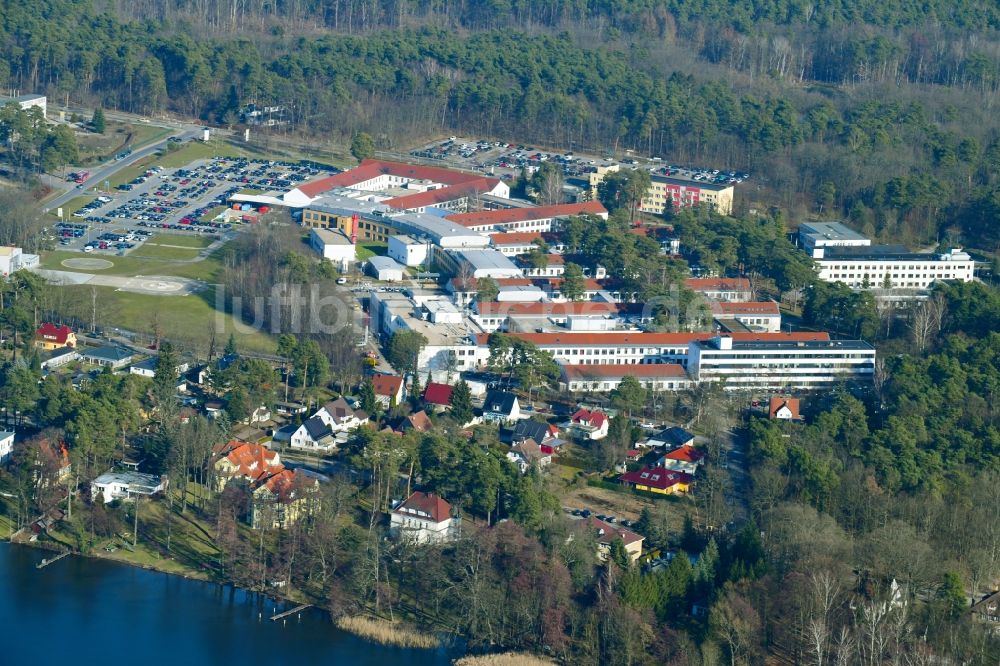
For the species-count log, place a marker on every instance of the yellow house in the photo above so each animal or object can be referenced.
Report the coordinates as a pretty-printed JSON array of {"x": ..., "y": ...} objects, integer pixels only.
[
  {"x": 658, "y": 480},
  {"x": 49, "y": 337}
]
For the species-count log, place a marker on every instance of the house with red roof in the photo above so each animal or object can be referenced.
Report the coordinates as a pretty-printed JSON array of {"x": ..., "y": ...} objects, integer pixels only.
[
  {"x": 590, "y": 424},
  {"x": 418, "y": 421},
  {"x": 438, "y": 396},
  {"x": 608, "y": 533},
  {"x": 284, "y": 498},
  {"x": 685, "y": 459},
  {"x": 388, "y": 389},
  {"x": 657, "y": 480},
  {"x": 424, "y": 518},
  {"x": 244, "y": 461},
  {"x": 782, "y": 408},
  {"x": 51, "y": 336}
]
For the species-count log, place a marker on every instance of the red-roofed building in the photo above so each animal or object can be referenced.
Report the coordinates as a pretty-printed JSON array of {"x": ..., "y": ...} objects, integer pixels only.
[
  {"x": 590, "y": 424},
  {"x": 438, "y": 396},
  {"x": 432, "y": 186},
  {"x": 284, "y": 498},
  {"x": 236, "y": 460},
  {"x": 388, "y": 389},
  {"x": 782, "y": 408},
  {"x": 424, "y": 518},
  {"x": 540, "y": 218},
  {"x": 50, "y": 336},
  {"x": 418, "y": 421},
  {"x": 607, "y": 533},
  {"x": 721, "y": 289},
  {"x": 658, "y": 480},
  {"x": 685, "y": 459}
]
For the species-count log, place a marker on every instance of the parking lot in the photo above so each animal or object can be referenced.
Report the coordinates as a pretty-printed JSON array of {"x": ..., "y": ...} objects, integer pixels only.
[
  {"x": 508, "y": 160},
  {"x": 184, "y": 201}
]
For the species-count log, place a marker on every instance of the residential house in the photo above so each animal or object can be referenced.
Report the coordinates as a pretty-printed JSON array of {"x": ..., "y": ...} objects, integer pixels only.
[
  {"x": 244, "y": 461},
  {"x": 590, "y": 424},
  {"x": 284, "y": 498},
  {"x": 108, "y": 356},
  {"x": 525, "y": 429},
  {"x": 418, "y": 421},
  {"x": 388, "y": 389},
  {"x": 785, "y": 409},
  {"x": 528, "y": 453},
  {"x": 670, "y": 438},
  {"x": 685, "y": 459},
  {"x": 59, "y": 357},
  {"x": 657, "y": 480},
  {"x": 55, "y": 456},
  {"x": 340, "y": 416},
  {"x": 6, "y": 446},
  {"x": 314, "y": 434},
  {"x": 501, "y": 407},
  {"x": 50, "y": 336},
  {"x": 608, "y": 533},
  {"x": 424, "y": 518},
  {"x": 438, "y": 396},
  {"x": 147, "y": 368},
  {"x": 213, "y": 408},
  {"x": 126, "y": 486},
  {"x": 988, "y": 608}
]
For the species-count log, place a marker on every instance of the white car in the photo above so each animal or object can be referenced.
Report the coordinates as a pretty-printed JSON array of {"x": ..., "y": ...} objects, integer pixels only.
[{"x": 341, "y": 280}]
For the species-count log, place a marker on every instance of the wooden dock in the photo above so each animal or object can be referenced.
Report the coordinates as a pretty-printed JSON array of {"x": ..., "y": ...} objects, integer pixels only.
[
  {"x": 284, "y": 614},
  {"x": 46, "y": 562}
]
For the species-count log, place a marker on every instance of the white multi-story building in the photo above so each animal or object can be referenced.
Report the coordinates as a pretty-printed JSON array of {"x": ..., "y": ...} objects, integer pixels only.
[
  {"x": 424, "y": 518},
  {"x": 761, "y": 316},
  {"x": 604, "y": 378},
  {"x": 774, "y": 364},
  {"x": 829, "y": 234},
  {"x": 6, "y": 446},
  {"x": 632, "y": 348},
  {"x": 540, "y": 218},
  {"x": 890, "y": 266},
  {"x": 721, "y": 289}
]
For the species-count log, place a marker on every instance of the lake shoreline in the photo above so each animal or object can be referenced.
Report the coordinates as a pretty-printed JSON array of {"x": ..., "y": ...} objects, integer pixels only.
[{"x": 409, "y": 636}]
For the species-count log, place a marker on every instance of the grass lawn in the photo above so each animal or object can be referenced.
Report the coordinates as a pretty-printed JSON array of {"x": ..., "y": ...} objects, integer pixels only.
[
  {"x": 146, "y": 251},
  {"x": 71, "y": 206},
  {"x": 187, "y": 320},
  {"x": 179, "y": 240},
  {"x": 212, "y": 213},
  {"x": 370, "y": 249},
  {"x": 159, "y": 261}
]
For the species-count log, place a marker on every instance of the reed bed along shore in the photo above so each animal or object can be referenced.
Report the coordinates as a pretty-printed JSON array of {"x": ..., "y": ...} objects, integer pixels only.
[
  {"x": 385, "y": 632},
  {"x": 504, "y": 659}
]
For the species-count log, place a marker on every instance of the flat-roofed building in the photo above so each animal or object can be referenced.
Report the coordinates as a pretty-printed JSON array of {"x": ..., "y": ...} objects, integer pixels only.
[
  {"x": 891, "y": 267},
  {"x": 497, "y": 316},
  {"x": 539, "y": 218},
  {"x": 484, "y": 264},
  {"x": 721, "y": 288},
  {"x": 409, "y": 251},
  {"x": 829, "y": 234},
  {"x": 633, "y": 347},
  {"x": 759, "y": 316},
  {"x": 333, "y": 245},
  {"x": 604, "y": 378},
  {"x": 666, "y": 193},
  {"x": 775, "y": 364}
]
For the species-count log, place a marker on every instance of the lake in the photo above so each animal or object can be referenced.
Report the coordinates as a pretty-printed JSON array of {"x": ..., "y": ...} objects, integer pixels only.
[{"x": 87, "y": 611}]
